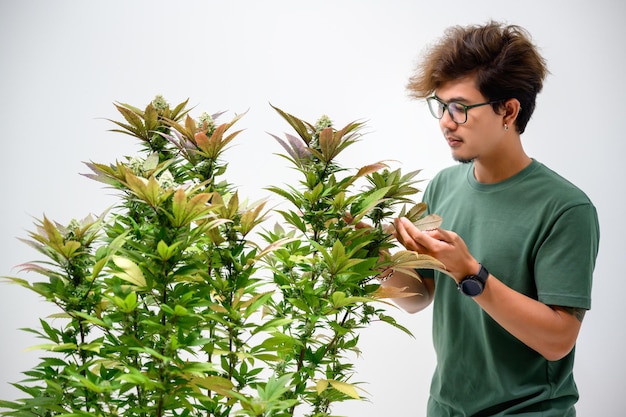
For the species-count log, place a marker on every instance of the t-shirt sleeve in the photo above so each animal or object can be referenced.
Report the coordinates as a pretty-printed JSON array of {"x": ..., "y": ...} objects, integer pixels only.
[{"x": 566, "y": 258}]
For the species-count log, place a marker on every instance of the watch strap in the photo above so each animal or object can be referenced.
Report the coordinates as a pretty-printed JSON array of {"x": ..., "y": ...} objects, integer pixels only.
[
  {"x": 482, "y": 274},
  {"x": 473, "y": 285}
]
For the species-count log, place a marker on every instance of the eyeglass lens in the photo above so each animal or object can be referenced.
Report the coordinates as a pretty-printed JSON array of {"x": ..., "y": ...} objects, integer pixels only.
[{"x": 457, "y": 111}]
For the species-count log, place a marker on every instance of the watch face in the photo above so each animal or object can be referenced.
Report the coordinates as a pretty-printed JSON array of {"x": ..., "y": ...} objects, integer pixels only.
[{"x": 471, "y": 287}]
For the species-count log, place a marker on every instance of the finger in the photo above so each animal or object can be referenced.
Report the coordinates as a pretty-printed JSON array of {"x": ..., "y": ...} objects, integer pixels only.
[
  {"x": 442, "y": 235},
  {"x": 410, "y": 236},
  {"x": 430, "y": 242},
  {"x": 402, "y": 235}
]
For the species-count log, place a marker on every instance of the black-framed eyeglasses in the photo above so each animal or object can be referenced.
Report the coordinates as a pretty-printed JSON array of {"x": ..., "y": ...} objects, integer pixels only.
[{"x": 456, "y": 110}]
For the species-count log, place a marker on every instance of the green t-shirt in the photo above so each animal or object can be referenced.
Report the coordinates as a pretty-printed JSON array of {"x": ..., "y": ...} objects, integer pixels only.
[{"x": 537, "y": 233}]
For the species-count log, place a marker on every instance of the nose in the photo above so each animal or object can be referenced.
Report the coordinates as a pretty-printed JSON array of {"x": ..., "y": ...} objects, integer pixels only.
[{"x": 446, "y": 121}]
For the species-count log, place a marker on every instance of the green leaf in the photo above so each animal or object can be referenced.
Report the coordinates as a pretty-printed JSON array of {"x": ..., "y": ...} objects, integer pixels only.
[
  {"x": 180, "y": 310},
  {"x": 217, "y": 384},
  {"x": 394, "y": 323},
  {"x": 368, "y": 203},
  {"x": 60, "y": 347},
  {"x": 274, "y": 388},
  {"x": 147, "y": 190},
  {"x": 111, "y": 250},
  {"x": 299, "y": 303},
  {"x": 53, "y": 334},
  {"x": 186, "y": 210},
  {"x": 198, "y": 368},
  {"x": 340, "y": 300},
  {"x": 91, "y": 319},
  {"x": 89, "y": 384},
  {"x": 295, "y": 219},
  {"x": 130, "y": 271},
  {"x": 166, "y": 252},
  {"x": 271, "y": 325},
  {"x": 344, "y": 388}
]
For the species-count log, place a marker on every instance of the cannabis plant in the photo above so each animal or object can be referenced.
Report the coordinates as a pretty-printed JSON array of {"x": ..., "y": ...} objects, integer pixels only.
[{"x": 180, "y": 301}]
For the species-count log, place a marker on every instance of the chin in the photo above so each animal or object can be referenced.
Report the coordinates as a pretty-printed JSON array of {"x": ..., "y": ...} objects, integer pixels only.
[{"x": 462, "y": 160}]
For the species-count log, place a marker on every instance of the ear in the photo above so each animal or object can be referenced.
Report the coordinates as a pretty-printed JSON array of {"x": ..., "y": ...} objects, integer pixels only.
[{"x": 512, "y": 107}]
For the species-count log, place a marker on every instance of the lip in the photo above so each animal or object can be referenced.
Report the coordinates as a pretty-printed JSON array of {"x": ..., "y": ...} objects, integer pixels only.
[{"x": 453, "y": 142}]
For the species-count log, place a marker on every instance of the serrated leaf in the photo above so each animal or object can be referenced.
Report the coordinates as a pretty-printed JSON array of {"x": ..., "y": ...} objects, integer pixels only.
[
  {"x": 368, "y": 203},
  {"x": 392, "y": 292},
  {"x": 151, "y": 162},
  {"x": 130, "y": 271},
  {"x": 166, "y": 252},
  {"x": 61, "y": 347},
  {"x": 415, "y": 212},
  {"x": 345, "y": 388},
  {"x": 300, "y": 126},
  {"x": 321, "y": 386},
  {"x": 371, "y": 168},
  {"x": 88, "y": 384},
  {"x": 218, "y": 384},
  {"x": 429, "y": 222},
  {"x": 394, "y": 323},
  {"x": 275, "y": 246},
  {"x": 198, "y": 368},
  {"x": 91, "y": 319},
  {"x": 251, "y": 218}
]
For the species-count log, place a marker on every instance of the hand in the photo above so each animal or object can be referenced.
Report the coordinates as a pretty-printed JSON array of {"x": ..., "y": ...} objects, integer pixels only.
[{"x": 444, "y": 245}]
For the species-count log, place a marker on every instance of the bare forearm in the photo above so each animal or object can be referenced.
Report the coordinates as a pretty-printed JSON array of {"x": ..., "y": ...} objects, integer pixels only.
[
  {"x": 550, "y": 331},
  {"x": 416, "y": 294}
]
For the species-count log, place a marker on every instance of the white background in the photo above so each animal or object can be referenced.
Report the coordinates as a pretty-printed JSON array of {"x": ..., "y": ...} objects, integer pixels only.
[{"x": 64, "y": 63}]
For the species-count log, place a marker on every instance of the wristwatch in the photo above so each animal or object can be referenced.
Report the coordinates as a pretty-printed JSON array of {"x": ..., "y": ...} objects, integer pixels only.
[{"x": 473, "y": 285}]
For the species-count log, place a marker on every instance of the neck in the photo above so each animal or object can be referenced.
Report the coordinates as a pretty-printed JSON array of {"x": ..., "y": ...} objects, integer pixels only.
[{"x": 496, "y": 168}]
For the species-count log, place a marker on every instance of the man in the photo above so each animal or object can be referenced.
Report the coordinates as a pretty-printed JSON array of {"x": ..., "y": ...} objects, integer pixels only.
[{"x": 518, "y": 241}]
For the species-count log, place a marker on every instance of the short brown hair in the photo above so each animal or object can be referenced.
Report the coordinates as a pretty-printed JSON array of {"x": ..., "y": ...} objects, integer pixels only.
[{"x": 502, "y": 57}]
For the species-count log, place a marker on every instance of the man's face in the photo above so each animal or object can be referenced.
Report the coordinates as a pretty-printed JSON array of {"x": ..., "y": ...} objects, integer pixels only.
[{"x": 481, "y": 135}]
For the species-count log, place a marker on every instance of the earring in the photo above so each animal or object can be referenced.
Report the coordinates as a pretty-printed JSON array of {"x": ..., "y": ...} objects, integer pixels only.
[{"x": 506, "y": 127}]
